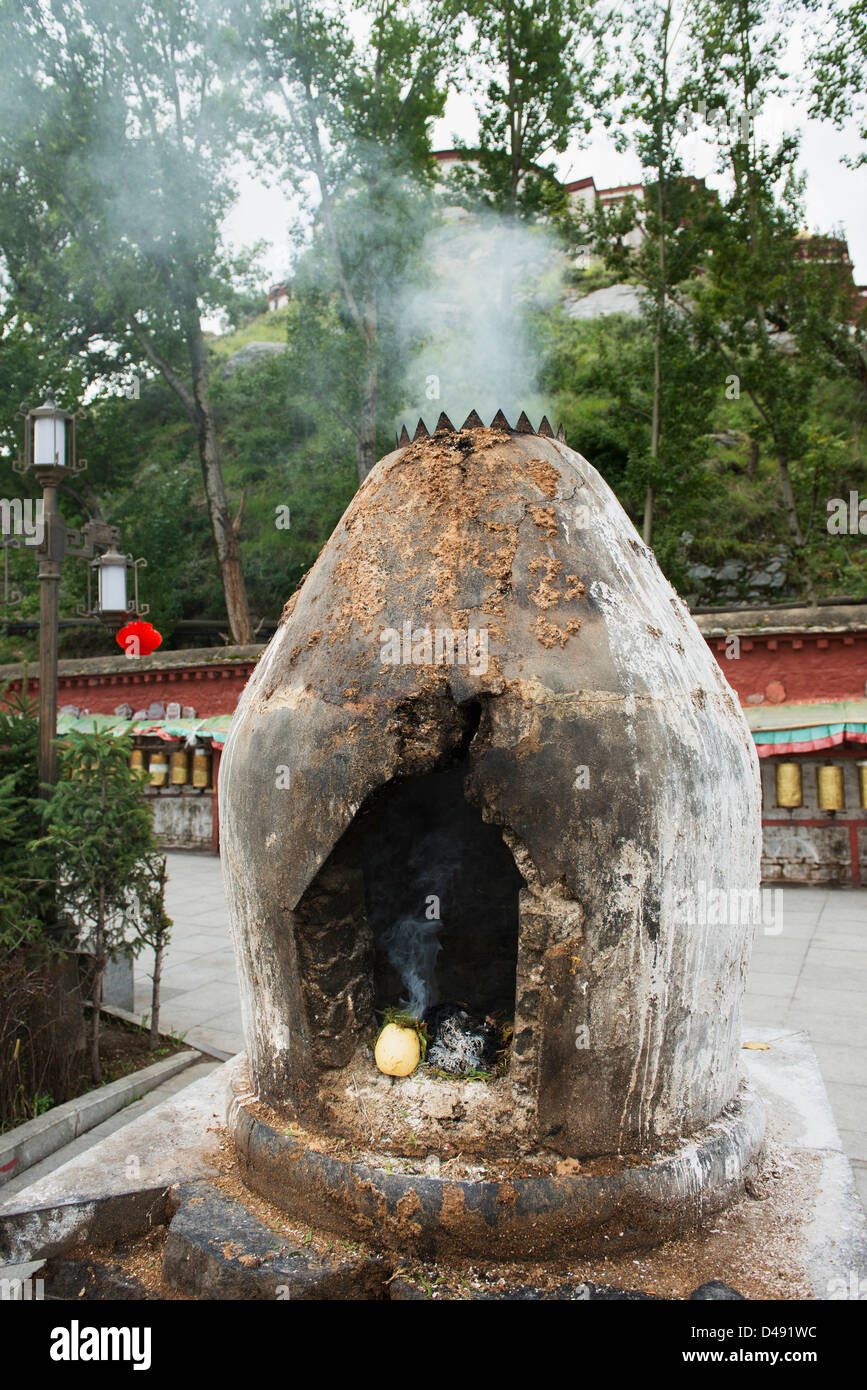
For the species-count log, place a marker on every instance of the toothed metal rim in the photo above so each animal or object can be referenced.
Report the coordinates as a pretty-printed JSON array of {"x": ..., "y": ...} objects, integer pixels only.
[{"x": 475, "y": 422}]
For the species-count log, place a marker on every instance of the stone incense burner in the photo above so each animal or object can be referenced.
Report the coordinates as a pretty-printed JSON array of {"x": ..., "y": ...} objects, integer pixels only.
[{"x": 486, "y": 701}]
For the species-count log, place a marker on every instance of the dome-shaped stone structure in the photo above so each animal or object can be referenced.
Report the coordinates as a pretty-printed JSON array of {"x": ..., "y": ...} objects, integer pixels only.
[{"x": 485, "y": 682}]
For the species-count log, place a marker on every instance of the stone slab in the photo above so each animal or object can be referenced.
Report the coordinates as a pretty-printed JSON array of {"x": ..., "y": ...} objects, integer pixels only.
[
  {"x": 216, "y": 1248},
  {"x": 130, "y": 1172}
]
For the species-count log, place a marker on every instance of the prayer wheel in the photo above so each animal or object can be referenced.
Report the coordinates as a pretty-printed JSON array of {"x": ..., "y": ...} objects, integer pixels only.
[
  {"x": 158, "y": 769},
  {"x": 201, "y": 768},
  {"x": 137, "y": 761},
  {"x": 790, "y": 792},
  {"x": 862, "y": 784},
  {"x": 829, "y": 787},
  {"x": 180, "y": 767}
]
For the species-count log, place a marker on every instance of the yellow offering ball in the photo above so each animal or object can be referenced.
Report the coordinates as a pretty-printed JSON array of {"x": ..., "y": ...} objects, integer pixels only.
[{"x": 397, "y": 1050}]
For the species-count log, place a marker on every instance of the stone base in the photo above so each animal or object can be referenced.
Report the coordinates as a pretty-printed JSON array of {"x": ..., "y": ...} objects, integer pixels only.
[
  {"x": 638, "y": 1204},
  {"x": 799, "y": 1232}
]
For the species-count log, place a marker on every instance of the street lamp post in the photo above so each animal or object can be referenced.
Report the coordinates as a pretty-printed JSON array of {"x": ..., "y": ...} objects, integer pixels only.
[{"x": 49, "y": 452}]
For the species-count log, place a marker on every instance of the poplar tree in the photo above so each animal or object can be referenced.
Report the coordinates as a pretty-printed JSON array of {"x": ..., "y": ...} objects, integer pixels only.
[
  {"x": 120, "y": 126},
  {"x": 353, "y": 108}
]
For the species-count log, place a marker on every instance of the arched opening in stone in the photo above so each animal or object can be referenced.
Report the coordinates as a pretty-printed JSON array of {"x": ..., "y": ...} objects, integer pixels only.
[{"x": 417, "y": 906}]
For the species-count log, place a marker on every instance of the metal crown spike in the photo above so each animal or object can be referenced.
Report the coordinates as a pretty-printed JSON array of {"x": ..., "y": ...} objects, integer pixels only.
[
  {"x": 421, "y": 431},
  {"x": 404, "y": 438},
  {"x": 444, "y": 423},
  {"x": 545, "y": 428},
  {"x": 473, "y": 422},
  {"x": 500, "y": 422},
  {"x": 561, "y": 434},
  {"x": 523, "y": 426}
]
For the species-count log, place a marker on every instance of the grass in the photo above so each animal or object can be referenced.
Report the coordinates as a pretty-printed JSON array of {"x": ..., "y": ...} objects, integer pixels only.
[
  {"x": 477, "y": 1074},
  {"x": 266, "y": 328}
]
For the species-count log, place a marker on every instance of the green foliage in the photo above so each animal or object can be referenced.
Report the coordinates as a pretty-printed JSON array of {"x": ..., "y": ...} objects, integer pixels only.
[
  {"x": 25, "y": 869},
  {"x": 110, "y": 210},
  {"x": 98, "y": 829},
  {"x": 98, "y": 826},
  {"x": 541, "y": 81},
  {"x": 355, "y": 103},
  {"x": 839, "y": 65},
  {"x": 153, "y": 924}
]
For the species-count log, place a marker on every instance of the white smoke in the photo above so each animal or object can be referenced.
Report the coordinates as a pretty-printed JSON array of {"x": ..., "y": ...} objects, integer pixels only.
[
  {"x": 467, "y": 318},
  {"x": 412, "y": 946}
]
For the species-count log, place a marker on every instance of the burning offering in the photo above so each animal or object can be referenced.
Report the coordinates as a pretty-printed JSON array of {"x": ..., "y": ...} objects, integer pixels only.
[
  {"x": 398, "y": 1050},
  {"x": 460, "y": 1042}
]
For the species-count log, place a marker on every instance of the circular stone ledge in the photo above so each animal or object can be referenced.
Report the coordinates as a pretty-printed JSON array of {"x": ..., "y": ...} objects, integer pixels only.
[{"x": 524, "y": 1218}]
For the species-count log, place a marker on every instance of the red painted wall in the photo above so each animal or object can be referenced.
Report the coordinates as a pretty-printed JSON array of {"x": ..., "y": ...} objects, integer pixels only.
[
  {"x": 795, "y": 669},
  {"x": 210, "y": 690},
  {"x": 778, "y": 670}
]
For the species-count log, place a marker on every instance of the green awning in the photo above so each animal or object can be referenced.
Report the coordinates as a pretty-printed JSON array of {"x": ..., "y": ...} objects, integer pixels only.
[
  {"x": 779, "y": 729},
  {"x": 216, "y": 728}
]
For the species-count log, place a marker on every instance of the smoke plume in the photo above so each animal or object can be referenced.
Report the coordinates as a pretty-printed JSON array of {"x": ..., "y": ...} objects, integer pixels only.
[{"x": 468, "y": 317}]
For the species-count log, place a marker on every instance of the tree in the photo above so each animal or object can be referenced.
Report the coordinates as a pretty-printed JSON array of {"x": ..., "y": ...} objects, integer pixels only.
[
  {"x": 839, "y": 66},
  {"x": 539, "y": 85},
  {"x": 153, "y": 928},
  {"x": 776, "y": 306},
  {"x": 656, "y": 239},
  {"x": 119, "y": 129},
  {"x": 98, "y": 829},
  {"x": 24, "y": 870},
  {"x": 354, "y": 118}
]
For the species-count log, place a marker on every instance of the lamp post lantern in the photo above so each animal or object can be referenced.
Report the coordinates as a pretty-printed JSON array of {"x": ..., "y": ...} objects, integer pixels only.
[{"x": 50, "y": 453}]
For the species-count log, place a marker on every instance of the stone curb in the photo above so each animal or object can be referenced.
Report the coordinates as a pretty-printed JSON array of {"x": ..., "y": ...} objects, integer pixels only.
[
  {"x": 29, "y": 1143},
  {"x": 217, "y": 1249},
  {"x": 41, "y": 1232}
]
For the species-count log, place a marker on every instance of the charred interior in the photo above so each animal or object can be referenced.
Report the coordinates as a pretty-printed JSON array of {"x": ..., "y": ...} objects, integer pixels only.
[
  {"x": 441, "y": 891},
  {"x": 430, "y": 861}
]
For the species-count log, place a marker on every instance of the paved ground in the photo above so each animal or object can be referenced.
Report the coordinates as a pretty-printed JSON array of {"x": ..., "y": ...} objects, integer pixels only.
[
  {"x": 115, "y": 1122},
  {"x": 199, "y": 991},
  {"x": 811, "y": 976}
]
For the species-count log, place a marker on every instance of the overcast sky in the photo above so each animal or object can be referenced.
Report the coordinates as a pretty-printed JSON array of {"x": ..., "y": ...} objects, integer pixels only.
[{"x": 835, "y": 197}]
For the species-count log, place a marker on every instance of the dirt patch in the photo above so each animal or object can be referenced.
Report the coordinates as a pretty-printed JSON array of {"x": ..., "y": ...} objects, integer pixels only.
[
  {"x": 101, "y": 1267},
  {"x": 123, "y": 1048},
  {"x": 228, "y": 1179},
  {"x": 753, "y": 1247}
]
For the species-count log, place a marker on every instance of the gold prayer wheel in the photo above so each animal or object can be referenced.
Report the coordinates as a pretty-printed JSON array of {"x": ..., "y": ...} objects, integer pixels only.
[
  {"x": 862, "y": 784},
  {"x": 790, "y": 787},
  {"x": 159, "y": 769},
  {"x": 180, "y": 767},
  {"x": 829, "y": 787},
  {"x": 201, "y": 768},
  {"x": 137, "y": 761}
]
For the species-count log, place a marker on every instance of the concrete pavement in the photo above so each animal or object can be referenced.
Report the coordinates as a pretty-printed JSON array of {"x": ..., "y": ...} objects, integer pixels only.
[
  {"x": 813, "y": 976},
  {"x": 199, "y": 991}
]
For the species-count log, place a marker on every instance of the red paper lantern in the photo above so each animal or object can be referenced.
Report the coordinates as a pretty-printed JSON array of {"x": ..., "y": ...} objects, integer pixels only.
[{"x": 139, "y": 638}]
